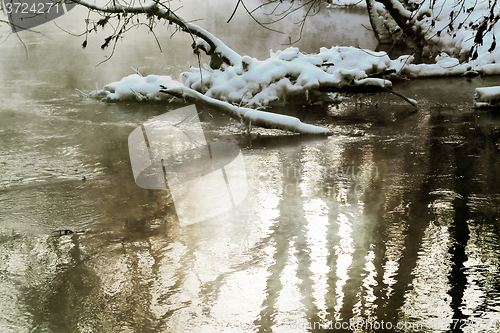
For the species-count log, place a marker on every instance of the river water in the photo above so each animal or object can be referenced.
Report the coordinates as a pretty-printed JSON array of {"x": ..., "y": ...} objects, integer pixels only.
[{"x": 392, "y": 222}]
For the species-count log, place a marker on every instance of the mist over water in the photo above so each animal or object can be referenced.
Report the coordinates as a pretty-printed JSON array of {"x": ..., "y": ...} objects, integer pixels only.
[{"x": 394, "y": 218}]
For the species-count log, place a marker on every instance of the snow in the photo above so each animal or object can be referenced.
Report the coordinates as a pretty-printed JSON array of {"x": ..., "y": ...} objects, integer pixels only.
[
  {"x": 282, "y": 122},
  {"x": 489, "y": 96},
  {"x": 289, "y": 73},
  {"x": 254, "y": 83},
  {"x": 136, "y": 87},
  {"x": 400, "y": 8},
  {"x": 285, "y": 74},
  {"x": 491, "y": 69},
  {"x": 444, "y": 66},
  {"x": 451, "y": 27},
  {"x": 249, "y": 117}
]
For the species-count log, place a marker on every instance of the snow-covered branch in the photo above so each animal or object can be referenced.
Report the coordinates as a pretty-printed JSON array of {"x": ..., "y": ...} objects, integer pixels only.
[
  {"x": 210, "y": 44},
  {"x": 248, "y": 117},
  {"x": 404, "y": 19},
  {"x": 377, "y": 23}
]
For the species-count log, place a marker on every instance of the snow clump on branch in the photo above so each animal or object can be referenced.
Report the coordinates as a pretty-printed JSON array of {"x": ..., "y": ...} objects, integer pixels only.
[{"x": 136, "y": 87}]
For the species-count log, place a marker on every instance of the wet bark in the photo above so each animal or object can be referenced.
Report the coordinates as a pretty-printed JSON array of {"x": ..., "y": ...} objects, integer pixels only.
[
  {"x": 403, "y": 18},
  {"x": 377, "y": 24}
]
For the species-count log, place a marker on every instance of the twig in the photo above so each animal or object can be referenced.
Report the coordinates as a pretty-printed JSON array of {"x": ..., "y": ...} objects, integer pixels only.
[
  {"x": 408, "y": 100},
  {"x": 84, "y": 93},
  {"x": 136, "y": 70}
]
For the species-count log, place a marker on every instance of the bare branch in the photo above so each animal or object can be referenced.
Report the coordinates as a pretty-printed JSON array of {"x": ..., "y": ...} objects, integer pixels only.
[{"x": 153, "y": 9}]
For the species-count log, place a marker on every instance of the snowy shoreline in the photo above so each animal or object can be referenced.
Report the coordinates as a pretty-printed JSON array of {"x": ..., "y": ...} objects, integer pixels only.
[{"x": 289, "y": 73}]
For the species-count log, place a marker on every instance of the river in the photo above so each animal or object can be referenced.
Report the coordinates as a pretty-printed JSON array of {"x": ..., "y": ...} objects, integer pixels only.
[{"x": 390, "y": 224}]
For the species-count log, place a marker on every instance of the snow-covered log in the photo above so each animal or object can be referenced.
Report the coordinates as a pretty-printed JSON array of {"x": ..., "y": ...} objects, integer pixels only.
[
  {"x": 287, "y": 75},
  {"x": 247, "y": 116},
  {"x": 290, "y": 74}
]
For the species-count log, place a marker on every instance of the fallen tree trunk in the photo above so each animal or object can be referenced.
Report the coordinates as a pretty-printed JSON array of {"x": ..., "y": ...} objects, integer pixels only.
[{"x": 248, "y": 117}]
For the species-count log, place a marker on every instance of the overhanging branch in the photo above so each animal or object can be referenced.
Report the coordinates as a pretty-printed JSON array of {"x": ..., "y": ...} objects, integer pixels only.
[{"x": 160, "y": 11}]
